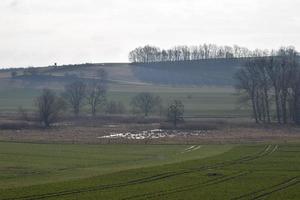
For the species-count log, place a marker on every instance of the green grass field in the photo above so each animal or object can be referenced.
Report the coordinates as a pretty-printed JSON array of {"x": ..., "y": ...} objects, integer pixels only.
[
  {"x": 203, "y": 101},
  {"x": 53, "y": 171}
]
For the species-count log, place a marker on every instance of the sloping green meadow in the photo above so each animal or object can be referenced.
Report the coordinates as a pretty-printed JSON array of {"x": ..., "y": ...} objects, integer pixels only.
[
  {"x": 24, "y": 164},
  {"x": 205, "y": 101},
  {"x": 151, "y": 172}
]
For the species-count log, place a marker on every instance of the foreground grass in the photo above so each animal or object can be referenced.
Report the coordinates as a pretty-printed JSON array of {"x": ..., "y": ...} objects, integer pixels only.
[
  {"x": 28, "y": 164},
  {"x": 243, "y": 172}
]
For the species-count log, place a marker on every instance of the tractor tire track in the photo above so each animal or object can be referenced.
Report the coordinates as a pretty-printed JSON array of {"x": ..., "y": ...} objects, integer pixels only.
[
  {"x": 267, "y": 151},
  {"x": 96, "y": 188},
  {"x": 162, "y": 176},
  {"x": 187, "y": 188},
  {"x": 267, "y": 191}
]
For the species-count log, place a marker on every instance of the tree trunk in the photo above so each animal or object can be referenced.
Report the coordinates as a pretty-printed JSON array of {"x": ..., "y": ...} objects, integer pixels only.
[
  {"x": 283, "y": 107},
  {"x": 93, "y": 110},
  {"x": 277, "y": 106},
  {"x": 254, "y": 109},
  {"x": 297, "y": 108},
  {"x": 267, "y": 105},
  {"x": 258, "y": 107}
]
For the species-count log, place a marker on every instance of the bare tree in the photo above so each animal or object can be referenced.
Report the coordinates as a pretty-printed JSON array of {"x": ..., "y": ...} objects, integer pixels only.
[
  {"x": 145, "y": 103},
  {"x": 297, "y": 107},
  {"x": 247, "y": 85},
  {"x": 294, "y": 97},
  {"x": 148, "y": 54},
  {"x": 273, "y": 71},
  {"x": 75, "y": 94},
  {"x": 175, "y": 112},
  {"x": 96, "y": 96},
  {"x": 289, "y": 67},
  {"x": 279, "y": 76},
  {"x": 49, "y": 107}
]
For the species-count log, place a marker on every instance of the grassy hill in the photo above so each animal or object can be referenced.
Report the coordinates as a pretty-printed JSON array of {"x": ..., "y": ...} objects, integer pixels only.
[
  {"x": 213, "y": 72},
  {"x": 205, "y": 86}
]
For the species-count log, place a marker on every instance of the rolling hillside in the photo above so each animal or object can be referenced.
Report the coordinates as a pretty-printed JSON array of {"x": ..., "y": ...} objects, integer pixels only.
[
  {"x": 205, "y": 87},
  {"x": 213, "y": 72}
]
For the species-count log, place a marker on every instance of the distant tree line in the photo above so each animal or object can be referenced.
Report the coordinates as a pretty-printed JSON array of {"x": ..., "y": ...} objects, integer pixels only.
[
  {"x": 148, "y": 54},
  {"x": 272, "y": 84},
  {"x": 79, "y": 94}
]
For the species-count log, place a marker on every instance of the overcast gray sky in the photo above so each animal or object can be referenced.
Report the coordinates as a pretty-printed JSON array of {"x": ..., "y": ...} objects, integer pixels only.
[{"x": 41, "y": 32}]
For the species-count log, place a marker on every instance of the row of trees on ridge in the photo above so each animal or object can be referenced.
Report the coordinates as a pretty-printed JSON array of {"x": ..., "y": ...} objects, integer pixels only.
[{"x": 149, "y": 54}]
